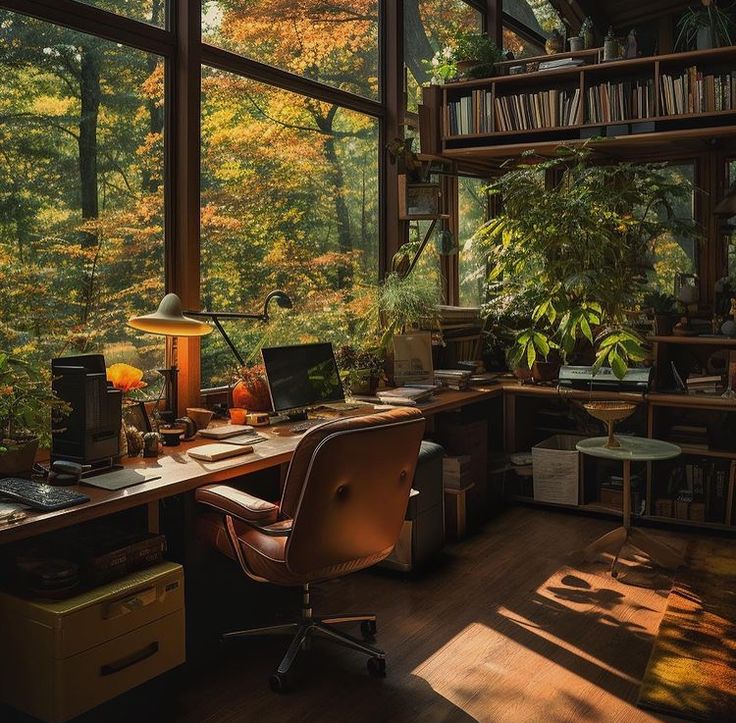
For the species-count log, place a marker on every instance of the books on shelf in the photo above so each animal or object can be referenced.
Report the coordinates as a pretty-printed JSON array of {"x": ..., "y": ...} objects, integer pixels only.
[
  {"x": 457, "y": 379},
  {"x": 695, "y": 92},
  {"x": 470, "y": 114},
  {"x": 624, "y": 101},
  {"x": 560, "y": 64},
  {"x": 704, "y": 383},
  {"x": 544, "y": 109}
]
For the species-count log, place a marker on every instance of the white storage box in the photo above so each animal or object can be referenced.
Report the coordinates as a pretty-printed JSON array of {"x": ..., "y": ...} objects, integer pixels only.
[{"x": 556, "y": 469}]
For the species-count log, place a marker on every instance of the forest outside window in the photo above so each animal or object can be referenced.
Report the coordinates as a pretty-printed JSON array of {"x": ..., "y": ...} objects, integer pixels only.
[
  {"x": 328, "y": 42},
  {"x": 472, "y": 214},
  {"x": 289, "y": 200},
  {"x": 430, "y": 25},
  {"x": 81, "y": 193},
  {"x": 147, "y": 11}
]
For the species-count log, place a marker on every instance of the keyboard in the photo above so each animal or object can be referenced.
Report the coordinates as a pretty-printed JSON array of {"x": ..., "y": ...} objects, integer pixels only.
[
  {"x": 40, "y": 496},
  {"x": 301, "y": 427}
]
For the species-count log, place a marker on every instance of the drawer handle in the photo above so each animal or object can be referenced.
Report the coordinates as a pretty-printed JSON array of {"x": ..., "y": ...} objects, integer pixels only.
[
  {"x": 129, "y": 604},
  {"x": 123, "y": 663}
]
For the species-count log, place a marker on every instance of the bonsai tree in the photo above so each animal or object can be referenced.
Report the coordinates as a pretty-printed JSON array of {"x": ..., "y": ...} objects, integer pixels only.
[{"x": 579, "y": 254}]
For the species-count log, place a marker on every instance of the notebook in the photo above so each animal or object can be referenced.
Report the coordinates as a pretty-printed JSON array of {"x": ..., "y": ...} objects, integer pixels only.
[
  {"x": 225, "y": 431},
  {"x": 216, "y": 452},
  {"x": 119, "y": 479}
]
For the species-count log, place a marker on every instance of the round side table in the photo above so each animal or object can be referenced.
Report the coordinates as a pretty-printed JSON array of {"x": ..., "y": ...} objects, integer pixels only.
[{"x": 632, "y": 449}]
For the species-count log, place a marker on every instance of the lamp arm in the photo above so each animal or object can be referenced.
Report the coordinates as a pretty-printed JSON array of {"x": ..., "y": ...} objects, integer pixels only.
[
  {"x": 225, "y": 315},
  {"x": 222, "y": 331}
]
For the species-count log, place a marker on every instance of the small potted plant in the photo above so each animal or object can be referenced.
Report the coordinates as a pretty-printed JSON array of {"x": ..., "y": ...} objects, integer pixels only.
[
  {"x": 706, "y": 26},
  {"x": 28, "y": 409},
  {"x": 361, "y": 370},
  {"x": 471, "y": 55},
  {"x": 663, "y": 307}
]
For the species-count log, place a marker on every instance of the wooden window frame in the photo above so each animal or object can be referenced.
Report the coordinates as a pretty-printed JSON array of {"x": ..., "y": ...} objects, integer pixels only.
[{"x": 180, "y": 45}]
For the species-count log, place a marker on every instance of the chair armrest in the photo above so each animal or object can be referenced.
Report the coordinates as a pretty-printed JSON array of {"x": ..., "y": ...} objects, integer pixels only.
[{"x": 238, "y": 504}]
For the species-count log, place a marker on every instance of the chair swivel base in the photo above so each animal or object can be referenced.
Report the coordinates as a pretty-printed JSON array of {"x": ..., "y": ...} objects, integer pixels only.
[{"x": 324, "y": 627}]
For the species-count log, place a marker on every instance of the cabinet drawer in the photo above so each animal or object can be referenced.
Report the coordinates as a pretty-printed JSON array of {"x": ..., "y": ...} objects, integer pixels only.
[
  {"x": 99, "y": 674},
  {"x": 114, "y": 615}
]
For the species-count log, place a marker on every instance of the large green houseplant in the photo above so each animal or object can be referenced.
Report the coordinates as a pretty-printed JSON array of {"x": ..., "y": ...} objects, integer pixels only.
[
  {"x": 578, "y": 253},
  {"x": 28, "y": 409}
]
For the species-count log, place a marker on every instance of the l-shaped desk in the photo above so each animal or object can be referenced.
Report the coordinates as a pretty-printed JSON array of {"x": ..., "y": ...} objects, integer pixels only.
[{"x": 177, "y": 473}]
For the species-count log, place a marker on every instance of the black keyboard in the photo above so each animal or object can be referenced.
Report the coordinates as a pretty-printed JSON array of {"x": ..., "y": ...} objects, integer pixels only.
[
  {"x": 301, "y": 427},
  {"x": 39, "y": 496}
]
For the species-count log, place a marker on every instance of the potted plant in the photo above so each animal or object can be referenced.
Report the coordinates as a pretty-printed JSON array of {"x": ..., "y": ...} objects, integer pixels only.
[
  {"x": 361, "y": 370},
  {"x": 28, "y": 410},
  {"x": 470, "y": 55},
  {"x": 407, "y": 303},
  {"x": 580, "y": 252},
  {"x": 706, "y": 26},
  {"x": 663, "y": 308}
]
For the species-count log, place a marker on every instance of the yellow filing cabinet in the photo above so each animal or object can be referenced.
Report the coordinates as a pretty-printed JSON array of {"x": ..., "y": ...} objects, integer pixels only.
[{"x": 62, "y": 658}]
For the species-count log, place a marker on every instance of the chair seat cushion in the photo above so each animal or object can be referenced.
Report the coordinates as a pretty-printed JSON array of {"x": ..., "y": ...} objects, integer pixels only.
[{"x": 265, "y": 555}]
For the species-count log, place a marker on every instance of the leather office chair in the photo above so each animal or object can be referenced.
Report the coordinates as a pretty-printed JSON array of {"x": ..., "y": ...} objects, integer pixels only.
[{"x": 342, "y": 509}]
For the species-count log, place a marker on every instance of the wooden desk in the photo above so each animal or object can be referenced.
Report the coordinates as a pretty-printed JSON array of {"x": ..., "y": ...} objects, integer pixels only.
[{"x": 179, "y": 473}]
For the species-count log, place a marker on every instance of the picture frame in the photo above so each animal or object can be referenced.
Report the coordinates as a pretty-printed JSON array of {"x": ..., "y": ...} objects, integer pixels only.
[{"x": 135, "y": 415}]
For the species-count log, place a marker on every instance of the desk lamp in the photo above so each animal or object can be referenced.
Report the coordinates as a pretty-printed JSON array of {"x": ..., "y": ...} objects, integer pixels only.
[{"x": 171, "y": 321}]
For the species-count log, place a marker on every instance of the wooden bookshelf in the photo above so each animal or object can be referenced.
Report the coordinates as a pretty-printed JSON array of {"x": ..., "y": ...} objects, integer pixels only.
[{"x": 502, "y": 138}]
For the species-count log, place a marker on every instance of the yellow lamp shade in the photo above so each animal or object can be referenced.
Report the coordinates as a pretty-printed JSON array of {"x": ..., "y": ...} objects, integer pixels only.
[{"x": 169, "y": 320}]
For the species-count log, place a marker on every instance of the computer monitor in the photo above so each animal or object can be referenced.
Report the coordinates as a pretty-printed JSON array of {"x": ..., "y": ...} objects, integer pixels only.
[{"x": 302, "y": 376}]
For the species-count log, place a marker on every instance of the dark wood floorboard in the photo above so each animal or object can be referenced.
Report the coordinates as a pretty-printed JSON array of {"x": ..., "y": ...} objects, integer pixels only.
[{"x": 511, "y": 626}]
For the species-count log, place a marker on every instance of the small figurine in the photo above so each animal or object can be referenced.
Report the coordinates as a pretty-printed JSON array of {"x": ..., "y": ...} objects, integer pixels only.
[
  {"x": 151, "y": 444},
  {"x": 632, "y": 45}
]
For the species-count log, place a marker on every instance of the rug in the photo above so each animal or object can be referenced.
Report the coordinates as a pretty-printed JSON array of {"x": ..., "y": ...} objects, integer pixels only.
[{"x": 692, "y": 668}]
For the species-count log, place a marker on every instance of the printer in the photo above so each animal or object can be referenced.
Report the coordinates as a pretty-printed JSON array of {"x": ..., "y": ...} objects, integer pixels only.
[{"x": 636, "y": 381}]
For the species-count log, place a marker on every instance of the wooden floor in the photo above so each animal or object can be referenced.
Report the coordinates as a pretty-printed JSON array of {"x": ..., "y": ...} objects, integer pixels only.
[{"x": 512, "y": 626}]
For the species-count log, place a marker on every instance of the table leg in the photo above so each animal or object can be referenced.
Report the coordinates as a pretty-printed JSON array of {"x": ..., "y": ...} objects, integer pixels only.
[{"x": 627, "y": 496}]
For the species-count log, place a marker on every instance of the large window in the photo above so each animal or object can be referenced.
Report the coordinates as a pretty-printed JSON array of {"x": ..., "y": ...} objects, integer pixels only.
[
  {"x": 429, "y": 25},
  {"x": 333, "y": 43},
  {"x": 289, "y": 200},
  {"x": 472, "y": 214},
  {"x": 149, "y": 11},
  {"x": 81, "y": 192}
]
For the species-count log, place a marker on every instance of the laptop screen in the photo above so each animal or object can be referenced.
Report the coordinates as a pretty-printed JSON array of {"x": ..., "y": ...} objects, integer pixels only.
[{"x": 302, "y": 376}]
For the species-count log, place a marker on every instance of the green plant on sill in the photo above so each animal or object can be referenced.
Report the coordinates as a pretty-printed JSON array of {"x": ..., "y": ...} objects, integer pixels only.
[
  {"x": 707, "y": 16},
  {"x": 660, "y": 303},
  {"x": 407, "y": 303},
  {"x": 476, "y": 49},
  {"x": 578, "y": 253},
  {"x": 28, "y": 406}
]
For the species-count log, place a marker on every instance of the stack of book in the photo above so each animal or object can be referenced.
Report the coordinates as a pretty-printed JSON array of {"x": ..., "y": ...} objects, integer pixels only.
[
  {"x": 458, "y": 379},
  {"x": 697, "y": 491},
  {"x": 692, "y": 435},
  {"x": 694, "y": 92},
  {"x": 545, "y": 109},
  {"x": 471, "y": 113},
  {"x": 612, "y": 102},
  {"x": 405, "y": 396},
  {"x": 704, "y": 383}
]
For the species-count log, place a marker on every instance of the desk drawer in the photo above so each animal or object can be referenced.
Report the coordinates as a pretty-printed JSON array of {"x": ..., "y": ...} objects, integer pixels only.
[
  {"x": 135, "y": 604},
  {"x": 97, "y": 675}
]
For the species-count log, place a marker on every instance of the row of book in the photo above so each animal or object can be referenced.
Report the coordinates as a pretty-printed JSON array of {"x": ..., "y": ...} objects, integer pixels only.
[
  {"x": 481, "y": 113},
  {"x": 545, "y": 109},
  {"x": 612, "y": 102},
  {"x": 696, "y": 490},
  {"x": 471, "y": 113},
  {"x": 695, "y": 92}
]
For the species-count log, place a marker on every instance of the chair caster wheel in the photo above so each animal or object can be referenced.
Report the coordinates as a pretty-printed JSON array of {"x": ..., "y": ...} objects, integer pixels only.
[
  {"x": 368, "y": 630},
  {"x": 279, "y": 683},
  {"x": 377, "y": 667}
]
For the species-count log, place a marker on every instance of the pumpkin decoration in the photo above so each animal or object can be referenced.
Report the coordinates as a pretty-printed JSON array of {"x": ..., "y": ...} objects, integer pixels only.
[{"x": 251, "y": 390}]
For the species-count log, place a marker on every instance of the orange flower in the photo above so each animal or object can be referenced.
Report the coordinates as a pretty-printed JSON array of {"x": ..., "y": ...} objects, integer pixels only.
[{"x": 125, "y": 377}]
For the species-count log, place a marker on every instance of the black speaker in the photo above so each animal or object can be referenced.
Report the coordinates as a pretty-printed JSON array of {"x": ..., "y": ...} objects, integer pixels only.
[{"x": 90, "y": 434}]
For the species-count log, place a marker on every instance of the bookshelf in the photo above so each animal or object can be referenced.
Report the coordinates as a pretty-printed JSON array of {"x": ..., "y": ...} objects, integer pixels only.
[{"x": 651, "y": 100}]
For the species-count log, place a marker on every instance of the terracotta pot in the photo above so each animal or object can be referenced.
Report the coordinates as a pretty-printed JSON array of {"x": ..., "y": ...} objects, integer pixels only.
[
  {"x": 541, "y": 371},
  {"x": 253, "y": 395},
  {"x": 18, "y": 460}
]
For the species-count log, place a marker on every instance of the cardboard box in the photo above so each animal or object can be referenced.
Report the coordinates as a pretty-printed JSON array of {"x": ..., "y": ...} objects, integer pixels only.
[
  {"x": 664, "y": 508},
  {"x": 457, "y": 472},
  {"x": 611, "y": 497},
  {"x": 556, "y": 468}
]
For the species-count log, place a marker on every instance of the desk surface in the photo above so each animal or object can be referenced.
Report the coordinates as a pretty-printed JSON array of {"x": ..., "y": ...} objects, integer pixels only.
[{"x": 179, "y": 473}]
